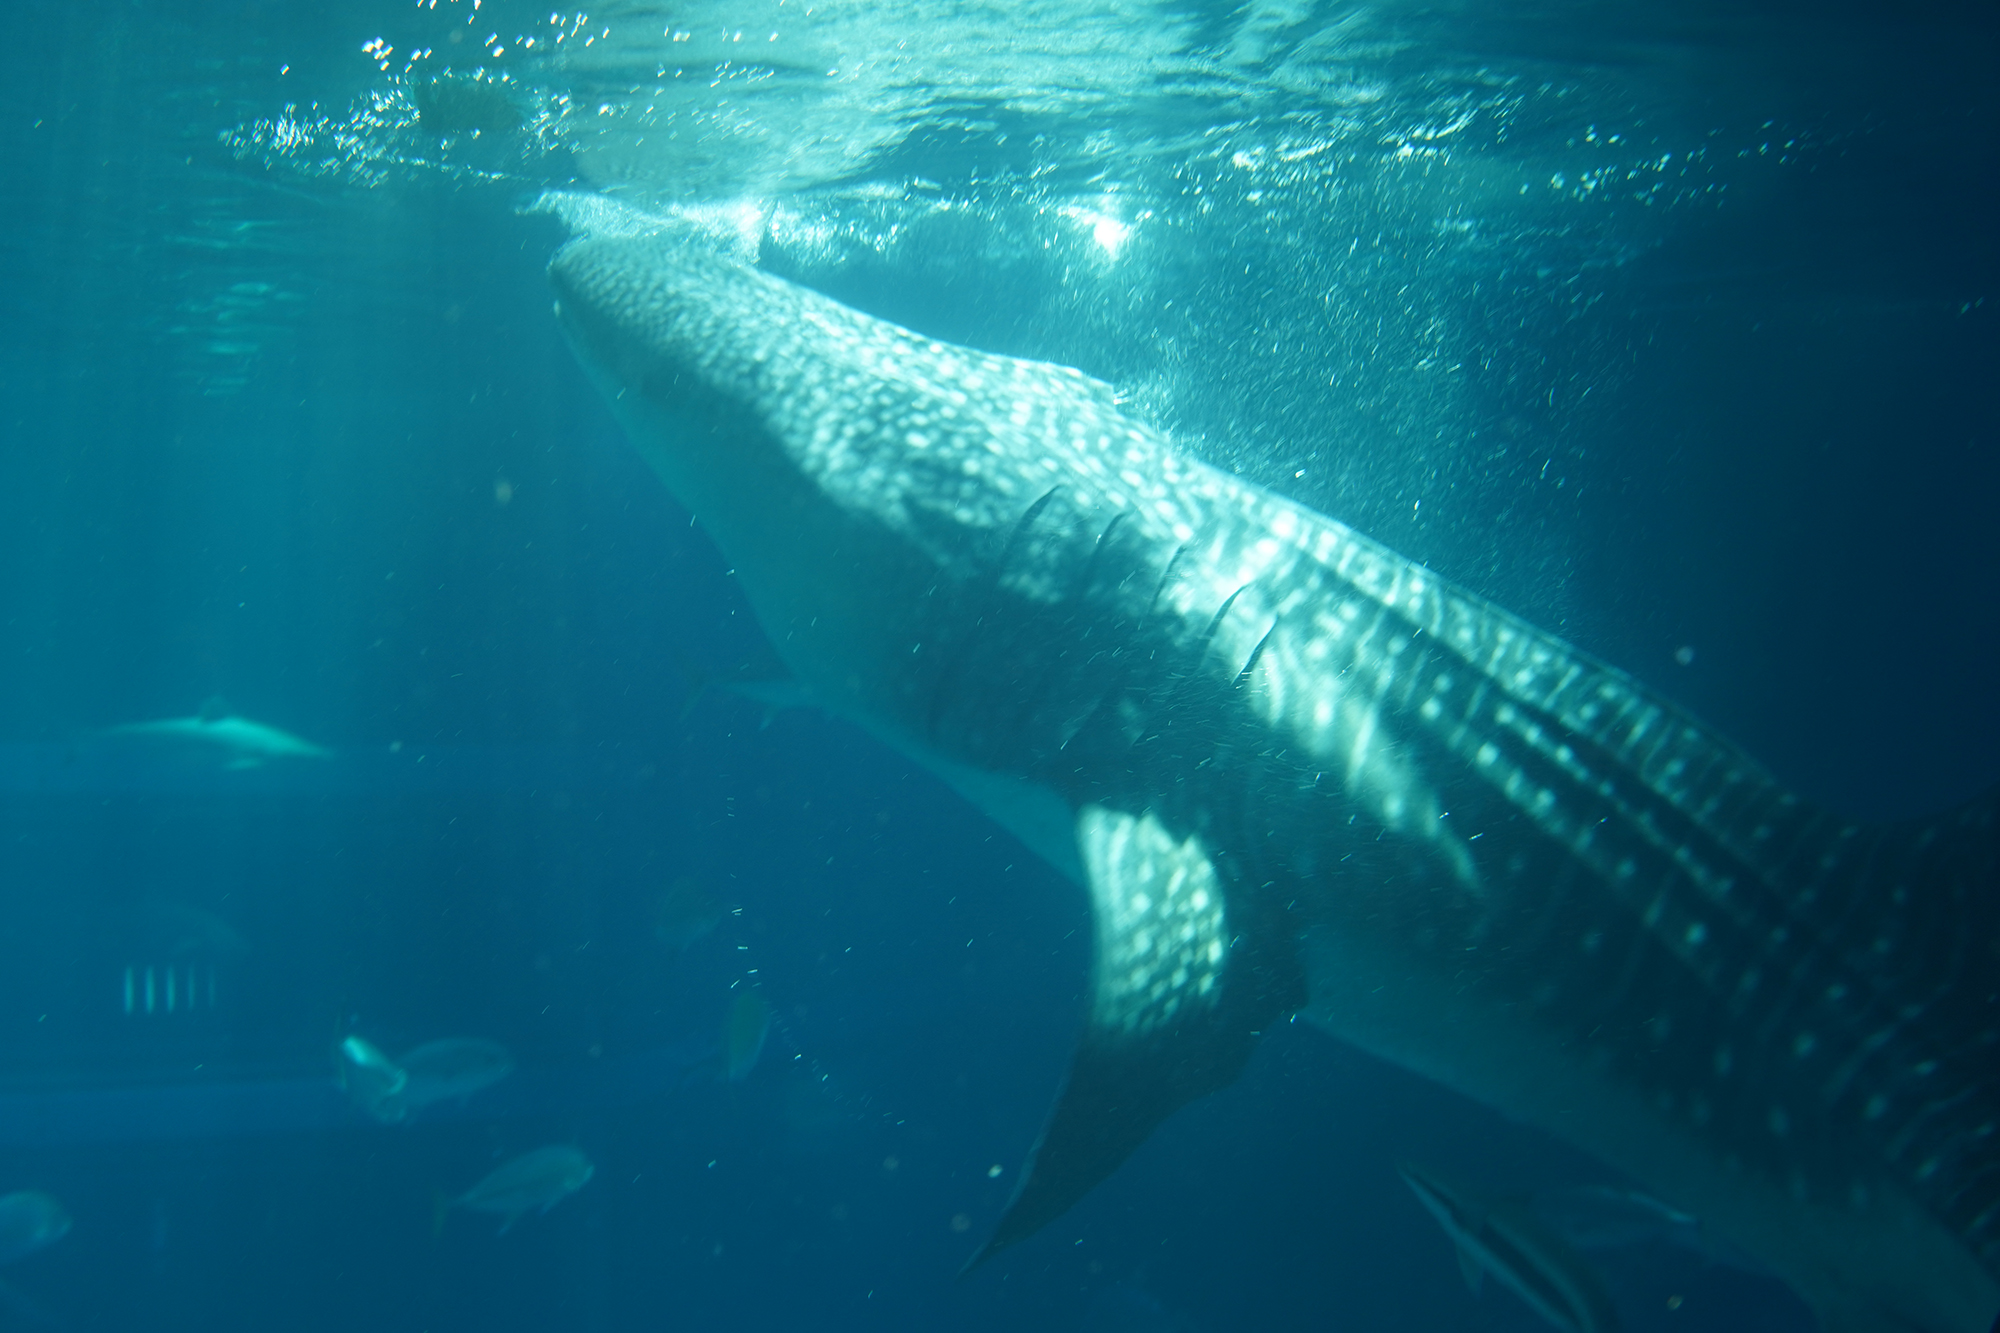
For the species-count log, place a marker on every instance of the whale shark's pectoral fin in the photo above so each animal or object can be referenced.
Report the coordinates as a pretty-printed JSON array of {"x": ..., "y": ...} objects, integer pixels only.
[{"x": 1182, "y": 979}]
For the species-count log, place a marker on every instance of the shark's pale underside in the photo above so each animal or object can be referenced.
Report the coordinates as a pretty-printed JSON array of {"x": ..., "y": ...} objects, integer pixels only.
[{"x": 1297, "y": 773}]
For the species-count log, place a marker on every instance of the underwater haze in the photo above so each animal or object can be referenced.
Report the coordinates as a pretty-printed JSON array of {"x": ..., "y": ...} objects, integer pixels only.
[{"x": 430, "y": 897}]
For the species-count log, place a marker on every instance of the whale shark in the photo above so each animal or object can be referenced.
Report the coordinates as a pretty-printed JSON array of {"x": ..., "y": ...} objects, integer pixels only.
[{"x": 1298, "y": 775}]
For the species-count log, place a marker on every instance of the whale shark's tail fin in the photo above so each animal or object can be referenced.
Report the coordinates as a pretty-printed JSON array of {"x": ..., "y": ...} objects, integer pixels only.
[{"x": 1186, "y": 970}]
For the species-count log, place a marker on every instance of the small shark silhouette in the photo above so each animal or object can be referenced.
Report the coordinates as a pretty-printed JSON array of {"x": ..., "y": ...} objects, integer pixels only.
[{"x": 244, "y": 743}]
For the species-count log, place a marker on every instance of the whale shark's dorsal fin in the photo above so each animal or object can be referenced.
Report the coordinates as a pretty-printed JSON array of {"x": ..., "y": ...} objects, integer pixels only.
[
  {"x": 1185, "y": 971},
  {"x": 213, "y": 709}
]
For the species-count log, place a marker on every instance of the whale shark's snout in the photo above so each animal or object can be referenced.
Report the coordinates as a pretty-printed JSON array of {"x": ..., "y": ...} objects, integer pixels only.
[{"x": 636, "y": 315}]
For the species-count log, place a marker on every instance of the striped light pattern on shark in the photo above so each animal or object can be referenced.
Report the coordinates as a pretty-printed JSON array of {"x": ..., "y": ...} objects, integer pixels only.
[{"x": 1431, "y": 828}]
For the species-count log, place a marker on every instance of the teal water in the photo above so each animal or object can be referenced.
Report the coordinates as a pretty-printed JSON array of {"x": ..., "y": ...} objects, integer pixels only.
[{"x": 1672, "y": 330}]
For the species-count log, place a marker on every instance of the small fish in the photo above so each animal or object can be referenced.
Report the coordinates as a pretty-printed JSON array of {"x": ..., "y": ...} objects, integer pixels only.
[
  {"x": 373, "y": 1081},
  {"x": 1521, "y": 1253},
  {"x": 743, "y": 1034},
  {"x": 29, "y": 1220},
  {"x": 532, "y": 1182},
  {"x": 244, "y": 743},
  {"x": 684, "y": 913},
  {"x": 452, "y": 1068},
  {"x": 448, "y": 1069}
]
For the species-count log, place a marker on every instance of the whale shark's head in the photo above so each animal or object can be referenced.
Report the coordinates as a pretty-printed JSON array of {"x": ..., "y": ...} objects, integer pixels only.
[
  {"x": 743, "y": 394},
  {"x": 678, "y": 341},
  {"x": 847, "y": 467}
]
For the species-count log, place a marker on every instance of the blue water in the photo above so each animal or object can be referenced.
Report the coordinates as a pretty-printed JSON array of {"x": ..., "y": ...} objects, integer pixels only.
[{"x": 1676, "y": 332}]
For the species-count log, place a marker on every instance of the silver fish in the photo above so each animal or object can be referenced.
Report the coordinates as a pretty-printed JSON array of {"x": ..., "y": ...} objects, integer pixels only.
[
  {"x": 30, "y": 1220},
  {"x": 685, "y": 913},
  {"x": 373, "y": 1081},
  {"x": 450, "y": 1069},
  {"x": 533, "y": 1182}
]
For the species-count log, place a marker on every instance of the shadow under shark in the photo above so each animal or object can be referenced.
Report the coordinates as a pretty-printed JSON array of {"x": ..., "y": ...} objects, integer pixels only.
[{"x": 1296, "y": 772}]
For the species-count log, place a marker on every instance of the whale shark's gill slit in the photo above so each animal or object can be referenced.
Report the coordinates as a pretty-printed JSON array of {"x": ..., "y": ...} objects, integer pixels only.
[
  {"x": 986, "y": 597},
  {"x": 1250, "y": 663},
  {"x": 1102, "y": 675},
  {"x": 1207, "y": 640},
  {"x": 1168, "y": 572},
  {"x": 1020, "y": 528},
  {"x": 1106, "y": 536},
  {"x": 1046, "y": 644}
]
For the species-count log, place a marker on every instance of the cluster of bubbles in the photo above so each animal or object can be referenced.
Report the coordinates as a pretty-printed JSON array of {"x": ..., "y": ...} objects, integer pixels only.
[{"x": 1346, "y": 256}]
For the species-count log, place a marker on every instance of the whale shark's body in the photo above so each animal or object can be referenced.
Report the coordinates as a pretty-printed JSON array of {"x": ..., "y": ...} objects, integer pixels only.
[{"x": 1299, "y": 774}]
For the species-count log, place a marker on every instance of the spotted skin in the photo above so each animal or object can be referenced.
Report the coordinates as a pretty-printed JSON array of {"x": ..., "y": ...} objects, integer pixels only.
[{"x": 1431, "y": 828}]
